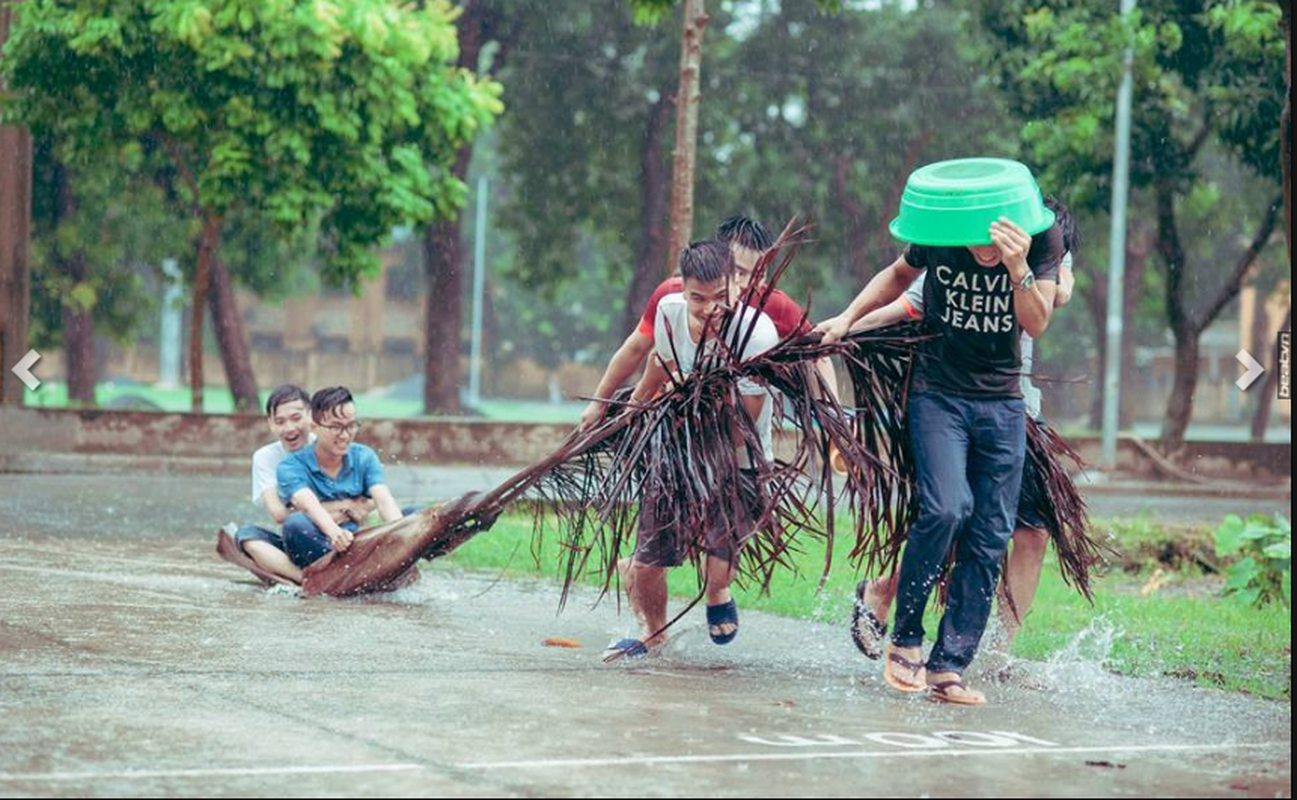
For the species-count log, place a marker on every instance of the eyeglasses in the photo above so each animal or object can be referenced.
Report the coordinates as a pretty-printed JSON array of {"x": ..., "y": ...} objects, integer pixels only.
[{"x": 350, "y": 429}]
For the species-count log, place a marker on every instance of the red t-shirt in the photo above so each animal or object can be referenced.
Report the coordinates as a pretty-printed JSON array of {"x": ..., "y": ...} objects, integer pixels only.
[{"x": 783, "y": 310}]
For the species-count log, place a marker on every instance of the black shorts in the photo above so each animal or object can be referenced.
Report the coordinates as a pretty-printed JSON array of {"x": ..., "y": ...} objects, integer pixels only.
[
  {"x": 664, "y": 542},
  {"x": 1034, "y": 499}
]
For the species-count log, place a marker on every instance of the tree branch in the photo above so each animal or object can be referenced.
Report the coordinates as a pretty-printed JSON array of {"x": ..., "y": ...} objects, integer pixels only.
[
  {"x": 1244, "y": 264},
  {"x": 1199, "y": 139},
  {"x": 182, "y": 165},
  {"x": 1171, "y": 249}
]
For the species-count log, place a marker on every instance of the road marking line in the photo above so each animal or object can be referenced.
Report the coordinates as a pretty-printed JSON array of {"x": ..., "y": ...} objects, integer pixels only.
[
  {"x": 10, "y": 777},
  {"x": 944, "y": 753}
]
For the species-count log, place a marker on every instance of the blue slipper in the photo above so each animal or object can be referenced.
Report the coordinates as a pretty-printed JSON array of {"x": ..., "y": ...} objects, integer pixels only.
[
  {"x": 626, "y": 648},
  {"x": 723, "y": 614}
]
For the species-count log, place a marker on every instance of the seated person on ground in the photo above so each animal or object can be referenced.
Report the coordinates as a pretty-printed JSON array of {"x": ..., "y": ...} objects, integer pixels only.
[
  {"x": 334, "y": 469},
  {"x": 288, "y": 413}
]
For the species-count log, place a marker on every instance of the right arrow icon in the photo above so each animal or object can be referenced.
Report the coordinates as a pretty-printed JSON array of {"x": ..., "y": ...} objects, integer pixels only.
[{"x": 1254, "y": 370}]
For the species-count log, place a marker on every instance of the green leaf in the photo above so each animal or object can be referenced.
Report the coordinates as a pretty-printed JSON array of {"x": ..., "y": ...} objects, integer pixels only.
[
  {"x": 1229, "y": 536},
  {"x": 1249, "y": 597},
  {"x": 1279, "y": 551},
  {"x": 1241, "y": 574}
]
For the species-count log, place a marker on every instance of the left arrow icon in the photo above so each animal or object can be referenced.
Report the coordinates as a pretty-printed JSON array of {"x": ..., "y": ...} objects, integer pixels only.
[{"x": 23, "y": 369}]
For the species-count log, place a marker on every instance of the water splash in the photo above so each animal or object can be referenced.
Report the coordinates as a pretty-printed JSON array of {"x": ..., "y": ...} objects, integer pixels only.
[
  {"x": 1088, "y": 655},
  {"x": 284, "y": 590}
]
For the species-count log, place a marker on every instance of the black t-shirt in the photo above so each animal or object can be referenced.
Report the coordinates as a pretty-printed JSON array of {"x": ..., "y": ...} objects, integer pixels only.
[{"x": 979, "y": 352}]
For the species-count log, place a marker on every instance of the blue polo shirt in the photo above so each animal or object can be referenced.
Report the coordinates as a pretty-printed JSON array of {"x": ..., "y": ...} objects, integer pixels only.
[{"x": 361, "y": 471}]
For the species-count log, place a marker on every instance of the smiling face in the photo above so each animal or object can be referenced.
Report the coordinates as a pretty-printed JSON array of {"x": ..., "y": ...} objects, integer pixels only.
[
  {"x": 987, "y": 255},
  {"x": 291, "y": 423},
  {"x": 706, "y": 301},
  {"x": 336, "y": 429}
]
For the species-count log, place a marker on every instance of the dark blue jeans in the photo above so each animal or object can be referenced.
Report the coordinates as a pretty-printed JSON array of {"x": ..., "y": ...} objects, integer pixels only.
[
  {"x": 305, "y": 543},
  {"x": 968, "y": 455}
]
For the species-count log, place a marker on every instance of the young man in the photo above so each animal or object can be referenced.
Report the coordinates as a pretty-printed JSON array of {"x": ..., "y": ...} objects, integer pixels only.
[
  {"x": 680, "y": 321},
  {"x": 1031, "y": 537},
  {"x": 288, "y": 414},
  {"x": 334, "y": 469},
  {"x": 968, "y": 434},
  {"x": 748, "y": 240}
]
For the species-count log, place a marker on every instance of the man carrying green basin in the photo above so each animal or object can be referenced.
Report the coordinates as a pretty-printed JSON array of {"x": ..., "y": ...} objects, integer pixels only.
[{"x": 980, "y": 229}]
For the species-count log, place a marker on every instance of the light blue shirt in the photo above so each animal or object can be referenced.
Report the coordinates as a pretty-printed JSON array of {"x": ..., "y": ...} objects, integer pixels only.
[{"x": 361, "y": 471}]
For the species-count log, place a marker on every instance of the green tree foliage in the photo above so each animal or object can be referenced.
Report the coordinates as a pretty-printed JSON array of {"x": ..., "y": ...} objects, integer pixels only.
[
  {"x": 1209, "y": 87},
  {"x": 121, "y": 228},
  {"x": 826, "y": 114},
  {"x": 343, "y": 115},
  {"x": 800, "y": 108}
]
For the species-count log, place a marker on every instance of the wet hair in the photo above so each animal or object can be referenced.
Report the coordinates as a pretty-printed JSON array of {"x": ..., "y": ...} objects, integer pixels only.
[
  {"x": 325, "y": 400},
  {"x": 286, "y": 393},
  {"x": 745, "y": 232},
  {"x": 707, "y": 261},
  {"x": 1066, "y": 223}
]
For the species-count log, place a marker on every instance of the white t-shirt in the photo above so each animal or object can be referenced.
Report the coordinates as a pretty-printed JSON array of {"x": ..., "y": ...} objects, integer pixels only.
[
  {"x": 673, "y": 311},
  {"x": 265, "y": 462},
  {"x": 1030, "y": 393}
]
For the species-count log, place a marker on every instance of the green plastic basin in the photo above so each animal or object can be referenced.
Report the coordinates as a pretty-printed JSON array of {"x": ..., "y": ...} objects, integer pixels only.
[{"x": 953, "y": 203}]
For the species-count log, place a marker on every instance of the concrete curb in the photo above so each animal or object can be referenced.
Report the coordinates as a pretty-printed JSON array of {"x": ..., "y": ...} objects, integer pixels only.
[{"x": 102, "y": 463}]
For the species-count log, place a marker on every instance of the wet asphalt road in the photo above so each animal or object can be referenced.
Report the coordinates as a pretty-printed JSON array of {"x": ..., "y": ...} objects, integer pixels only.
[{"x": 134, "y": 663}]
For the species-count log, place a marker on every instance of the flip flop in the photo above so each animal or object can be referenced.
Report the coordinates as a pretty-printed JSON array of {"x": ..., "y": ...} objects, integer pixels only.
[
  {"x": 940, "y": 692},
  {"x": 723, "y": 614},
  {"x": 898, "y": 684},
  {"x": 632, "y": 649},
  {"x": 867, "y": 630}
]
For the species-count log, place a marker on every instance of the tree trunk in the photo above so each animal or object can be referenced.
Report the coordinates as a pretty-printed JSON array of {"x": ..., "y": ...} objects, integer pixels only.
[
  {"x": 1179, "y": 409},
  {"x": 443, "y": 258},
  {"x": 652, "y": 248},
  {"x": 1261, "y": 420},
  {"x": 688, "y": 98},
  {"x": 443, "y": 253},
  {"x": 207, "y": 241},
  {"x": 1180, "y": 405},
  {"x": 78, "y": 322},
  {"x": 79, "y": 343},
  {"x": 228, "y": 325},
  {"x": 15, "y": 233}
]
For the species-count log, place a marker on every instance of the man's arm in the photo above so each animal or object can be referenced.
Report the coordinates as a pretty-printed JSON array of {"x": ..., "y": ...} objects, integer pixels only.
[
  {"x": 387, "y": 507},
  {"x": 357, "y": 509},
  {"x": 310, "y": 505},
  {"x": 625, "y": 363},
  {"x": 1066, "y": 285},
  {"x": 278, "y": 511},
  {"x": 886, "y": 286},
  {"x": 890, "y": 314},
  {"x": 654, "y": 378},
  {"x": 752, "y": 405},
  {"x": 830, "y": 375},
  {"x": 1034, "y": 305}
]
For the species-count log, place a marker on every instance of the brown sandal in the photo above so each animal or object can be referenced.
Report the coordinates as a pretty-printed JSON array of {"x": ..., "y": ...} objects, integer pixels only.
[
  {"x": 895, "y": 682},
  {"x": 941, "y": 693}
]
